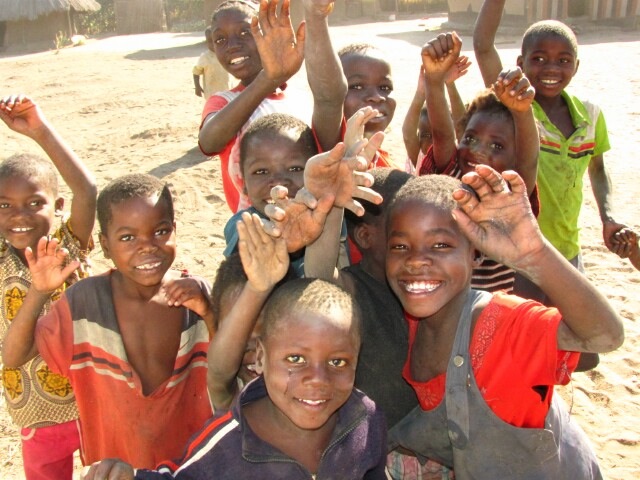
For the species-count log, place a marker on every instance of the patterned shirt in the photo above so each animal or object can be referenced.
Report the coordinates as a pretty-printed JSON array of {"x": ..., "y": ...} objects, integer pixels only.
[{"x": 36, "y": 397}]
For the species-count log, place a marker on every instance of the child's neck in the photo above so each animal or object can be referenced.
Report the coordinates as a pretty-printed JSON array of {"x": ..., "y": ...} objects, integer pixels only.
[
  {"x": 558, "y": 113},
  {"x": 271, "y": 425}
]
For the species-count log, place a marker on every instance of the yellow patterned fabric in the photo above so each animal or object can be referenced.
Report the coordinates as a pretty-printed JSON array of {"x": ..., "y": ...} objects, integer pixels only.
[{"x": 36, "y": 397}]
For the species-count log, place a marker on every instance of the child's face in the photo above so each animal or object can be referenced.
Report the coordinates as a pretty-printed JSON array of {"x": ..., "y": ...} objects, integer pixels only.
[
  {"x": 271, "y": 160},
  {"x": 370, "y": 84},
  {"x": 309, "y": 362},
  {"x": 234, "y": 45},
  {"x": 27, "y": 211},
  {"x": 429, "y": 260},
  {"x": 549, "y": 64},
  {"x": 140, "y": 240},
  {"x": 489, "y": 139},
  {"x": 424, "y": 133}
]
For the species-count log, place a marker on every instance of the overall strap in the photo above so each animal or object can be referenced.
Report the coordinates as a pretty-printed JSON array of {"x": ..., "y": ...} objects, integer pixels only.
[{"x": 458, "y": 374}]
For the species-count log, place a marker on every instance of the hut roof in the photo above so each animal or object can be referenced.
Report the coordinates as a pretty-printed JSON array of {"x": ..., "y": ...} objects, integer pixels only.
[{"x": 12, "y": 10}]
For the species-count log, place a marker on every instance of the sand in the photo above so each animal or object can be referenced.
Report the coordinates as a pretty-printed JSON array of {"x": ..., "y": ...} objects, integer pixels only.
[{"x": 127, "y": 104}]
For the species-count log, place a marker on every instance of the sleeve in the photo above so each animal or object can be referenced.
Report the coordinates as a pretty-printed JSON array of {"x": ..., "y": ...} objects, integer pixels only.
[
  {"x": 231, "y": 234},
  {"x": 602, "y": 135},
  {"x": 532, "y": 338},
  {"x": 198, "y": 68},
  {"x": 428, "y": 166},
  {"x": 54, "y": 337}
]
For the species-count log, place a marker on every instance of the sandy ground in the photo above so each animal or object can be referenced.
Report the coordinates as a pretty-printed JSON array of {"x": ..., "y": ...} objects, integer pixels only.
[{"x": 127, "y": 104}]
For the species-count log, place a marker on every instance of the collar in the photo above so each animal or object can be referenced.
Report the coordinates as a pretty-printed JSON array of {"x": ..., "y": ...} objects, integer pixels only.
[{"x": 351, "y": 414}]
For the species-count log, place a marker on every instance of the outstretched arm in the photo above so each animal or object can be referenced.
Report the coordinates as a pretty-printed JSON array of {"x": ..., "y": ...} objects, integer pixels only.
[
  {"x": 324, "y": 73},
  {"x": 412, "y": 119},
  {"x": 48, "y": 272},
  {"x": 438, "y": 56},
  {"x": 602, "y": 191},
  {"x": 281, "y": 53},
  {"x": 484, "y": 39},
  {"x": 500, "y": 223},
  {"x": 265, "y": 261},
  {"x": 23, "y": 115},
  {"x": 516, "y": 93},
  {"x": 457, "y": 70}
]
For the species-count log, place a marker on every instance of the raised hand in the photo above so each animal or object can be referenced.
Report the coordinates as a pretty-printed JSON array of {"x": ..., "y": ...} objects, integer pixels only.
[
  {"x": 319, "y": 8},
  {"x": 498, "y": 219},
  {"x": 49, "y": 266},
  {"x": 458, "y": 69},
  {"x": 265, "y": 259},
  {"x": 514, "y": 90},
  {"x": 440, "y": 54},
  {"x": 299, "y": 221},
  {"x": 281, "y": 49},
  {"x": 336, "y": 174},
  {"x": 21, "y": 114}
]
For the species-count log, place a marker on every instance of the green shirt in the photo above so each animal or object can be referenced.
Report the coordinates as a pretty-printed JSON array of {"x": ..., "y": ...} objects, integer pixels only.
[{"x": 561, "y": 167}]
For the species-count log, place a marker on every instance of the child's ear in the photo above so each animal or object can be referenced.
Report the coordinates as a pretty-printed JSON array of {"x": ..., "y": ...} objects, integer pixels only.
[
  {"x": 520, "y": 61},
  {"x": 59, "y": 205},
  {"x": 259, "y": 356},
  {"x": 104, "y": 245},
  {"x": 478, "y": 258},
  {"x": 362, "y": 236},
  {"x": 577, "y": 65}
]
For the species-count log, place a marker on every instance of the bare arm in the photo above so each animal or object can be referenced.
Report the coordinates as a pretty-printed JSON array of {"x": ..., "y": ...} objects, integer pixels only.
[
  {"x": 265, "y": 261},
  {"x": 196, "y": 84},
  {"x": 603, "y": 193},
  {"x": 484, "y": 39},
  {"x": 48, "y": 273},
  {"x": 324, "y": 73},
  {"x": 412, "y": 119},
  {"x": 457, "y": 70},
  {"x": 500, "y": 223},
  {"x": 516, "y": 93},
  {"x": 24, "y": 116},
  {"x": 438, "y": 56},
  {"x": 281, "y": 53}
]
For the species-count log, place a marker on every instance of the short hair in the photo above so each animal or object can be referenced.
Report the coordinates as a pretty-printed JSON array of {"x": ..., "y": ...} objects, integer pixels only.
[
  {"x": 436, "y": 190},
  {"x": 386, "y": 181},
  {"x": 548, "y": 28},
  {"x": 274, "y": 123},
  {"x": 486, "y": 102},
  {"x": 248, "y": 7},
  {"x": 126, "y": 187},
  {"x": 356, "y": 49},
  {"x": 308, "y": 295},
  {"x": 32, "y": 167}
]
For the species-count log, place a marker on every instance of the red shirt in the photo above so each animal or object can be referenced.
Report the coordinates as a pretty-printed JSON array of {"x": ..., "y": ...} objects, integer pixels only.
[{"x": 513, "y": 349}]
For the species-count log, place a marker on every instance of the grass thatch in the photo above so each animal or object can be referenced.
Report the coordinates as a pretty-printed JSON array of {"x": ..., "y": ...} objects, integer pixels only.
[{"x": 12, "y": 10}]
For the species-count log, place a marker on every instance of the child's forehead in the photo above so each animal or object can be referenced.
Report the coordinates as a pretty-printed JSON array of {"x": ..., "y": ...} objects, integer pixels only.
[
  {"x": 364, "y": 60},
  {"x": 546, "y": 40},
  {"x": 231, "y": 17}
]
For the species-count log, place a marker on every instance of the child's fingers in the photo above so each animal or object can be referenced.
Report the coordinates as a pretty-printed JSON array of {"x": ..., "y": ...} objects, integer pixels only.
[
  {"x": 272, "y": 230},
  {"x": 306, "y": 198},
  {"x": 275, "y": 213},
  {"x": 368, "y": 194},
  {"x": 355, "y": 206}
]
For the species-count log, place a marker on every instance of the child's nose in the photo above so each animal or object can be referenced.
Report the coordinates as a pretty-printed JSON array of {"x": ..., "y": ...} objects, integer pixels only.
[
  {"x": 418, "y": 260},
  {"x": 317, "y": 374},
  {"x": 374, "y": 95}
]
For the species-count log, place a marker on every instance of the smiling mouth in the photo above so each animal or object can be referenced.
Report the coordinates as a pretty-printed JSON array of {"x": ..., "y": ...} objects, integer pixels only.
[
  {"x": 21, "y": 229},
  {"x": 550, "y": 82},
  {"x": 238, "y": 60},
  {"x": 421, "y": 287},
  {"x": 149, "y": 266},
  {"x": 313, "y": 403}
]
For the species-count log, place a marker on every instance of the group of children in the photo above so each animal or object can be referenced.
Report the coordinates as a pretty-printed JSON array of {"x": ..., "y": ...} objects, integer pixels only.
[{"x": 401, "y": 355}]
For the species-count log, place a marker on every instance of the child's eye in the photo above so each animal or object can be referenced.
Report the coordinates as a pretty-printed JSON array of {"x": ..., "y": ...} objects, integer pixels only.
[
  {"x": 468, "y": 139},
  {"x": 386, "y": 88},
  {"x": 356, "y": 86},
  {"x": 497, "y": 146},
  {"x": 398, "y": 246},
  {"x": 244, "y": 33},
  {"x": 296, "y": 169},
  {"x": 126, "y": 238},
  {"x": 441, "y": 245},
  {"x": 260, "y": 171},
  {"x": 4, "y": 205},
  {"x": 35, "y": 203},
  {"x": 338, "y": 362},
  {"x": 297, "y": 359},
  {"x": 163, "y": 231}
]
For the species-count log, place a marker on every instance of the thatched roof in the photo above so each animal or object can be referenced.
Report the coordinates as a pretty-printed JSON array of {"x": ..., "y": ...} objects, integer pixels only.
[{"x": 11, "y": 10}]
